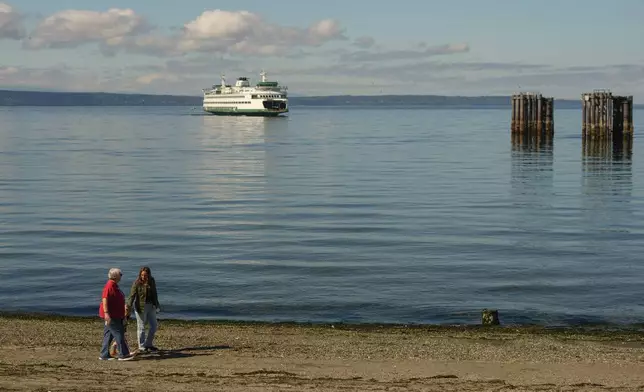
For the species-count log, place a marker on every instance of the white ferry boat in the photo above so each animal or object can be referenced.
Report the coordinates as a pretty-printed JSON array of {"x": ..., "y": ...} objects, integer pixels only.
[{"x": 264, "y": 99}]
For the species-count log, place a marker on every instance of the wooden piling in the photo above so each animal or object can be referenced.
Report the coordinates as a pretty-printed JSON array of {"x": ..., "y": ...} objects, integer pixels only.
[
  {"x": 514, "y": 112},
  {"x": 532, "y": 112},
  {"x": 605, "y": 114},
  {"x": 627, "y": 114}
]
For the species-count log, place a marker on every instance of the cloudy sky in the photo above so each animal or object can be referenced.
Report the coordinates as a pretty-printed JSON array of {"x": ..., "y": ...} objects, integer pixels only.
[{"x": 464, "y": 47}]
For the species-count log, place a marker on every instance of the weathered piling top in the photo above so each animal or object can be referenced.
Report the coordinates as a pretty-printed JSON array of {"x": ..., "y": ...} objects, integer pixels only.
[
  {"x": 531, "y": 111},
  {"x": 604, "y": 113}
]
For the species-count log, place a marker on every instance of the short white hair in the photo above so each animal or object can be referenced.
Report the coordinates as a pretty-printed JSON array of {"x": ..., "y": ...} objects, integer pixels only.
[{"x": 114, "y": 273}]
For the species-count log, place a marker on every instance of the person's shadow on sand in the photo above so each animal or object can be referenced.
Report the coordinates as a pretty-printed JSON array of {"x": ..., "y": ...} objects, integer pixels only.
[{"x": 185, "y": 352}]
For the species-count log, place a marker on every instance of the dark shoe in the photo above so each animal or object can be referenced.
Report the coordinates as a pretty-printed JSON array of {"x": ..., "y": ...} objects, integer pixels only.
[{"x": 151, "y": 348}]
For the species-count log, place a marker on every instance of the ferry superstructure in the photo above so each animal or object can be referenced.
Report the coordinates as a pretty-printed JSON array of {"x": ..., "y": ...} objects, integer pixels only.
[{"x": 266, "y": 98}]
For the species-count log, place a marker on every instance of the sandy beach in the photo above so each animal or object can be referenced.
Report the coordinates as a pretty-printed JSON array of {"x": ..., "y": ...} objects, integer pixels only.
[{"x": 44, "y": 353}]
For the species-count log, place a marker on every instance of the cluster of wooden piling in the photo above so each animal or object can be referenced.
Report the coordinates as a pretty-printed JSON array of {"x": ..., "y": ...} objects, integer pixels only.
[
  {"x": 532, "y": 112},
  {"x": 605, "y": 115}
]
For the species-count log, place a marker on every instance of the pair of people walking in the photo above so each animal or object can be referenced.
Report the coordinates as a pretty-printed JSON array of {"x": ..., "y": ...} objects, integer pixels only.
[{"x": 115, "y": 311}]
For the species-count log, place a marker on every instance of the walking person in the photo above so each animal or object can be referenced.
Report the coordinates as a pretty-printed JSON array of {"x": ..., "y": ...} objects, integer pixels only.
[
  {"x": 112, "y": 311},
  {"x": 144, "y": 300}
]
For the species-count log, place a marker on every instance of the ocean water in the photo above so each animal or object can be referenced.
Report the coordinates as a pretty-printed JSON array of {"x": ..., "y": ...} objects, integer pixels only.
[{"x": 327, "y": 215}]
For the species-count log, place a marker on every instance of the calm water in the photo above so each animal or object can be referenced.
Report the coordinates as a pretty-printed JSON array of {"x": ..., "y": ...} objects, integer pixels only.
[{"x": 355, "y": 215}]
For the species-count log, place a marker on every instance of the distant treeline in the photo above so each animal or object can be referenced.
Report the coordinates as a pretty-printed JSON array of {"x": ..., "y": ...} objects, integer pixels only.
[{"x": 45, "y": 98}]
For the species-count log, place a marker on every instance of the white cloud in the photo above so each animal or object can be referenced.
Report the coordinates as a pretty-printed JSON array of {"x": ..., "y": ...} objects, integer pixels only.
[
  {"x": 203, "y": 65},
  {"x": 72, "y": 28},
  {"x": 405, "y": 54},
  {"x": 324, "y": 30},
  {"x": 364, "y": 42},
  {"x": 214, "y": 31},
  {"x": 218, "y": 24},
  {"x": 7, "y": 71},
  {"x": 10, "y": 23},
  {"x": 156, "y": 76},
  {"x": 247, "y": 33},
  {"x": 56, "y": 77}
]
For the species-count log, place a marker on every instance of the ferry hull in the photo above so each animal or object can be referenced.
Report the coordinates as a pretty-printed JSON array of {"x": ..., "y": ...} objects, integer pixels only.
[{"x": 244, "y": 112}]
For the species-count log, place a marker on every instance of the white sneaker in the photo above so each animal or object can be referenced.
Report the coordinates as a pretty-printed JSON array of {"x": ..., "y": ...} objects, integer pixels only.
[
  {"x": 106, "y": 359},
  {"x": 131, "y": 357}
]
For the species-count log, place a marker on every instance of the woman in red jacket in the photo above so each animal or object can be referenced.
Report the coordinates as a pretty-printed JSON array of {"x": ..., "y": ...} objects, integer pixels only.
[{"x": 112, "y": 310}]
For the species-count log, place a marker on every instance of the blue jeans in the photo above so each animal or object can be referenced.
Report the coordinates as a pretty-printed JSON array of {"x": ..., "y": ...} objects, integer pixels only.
[
  {"x": 148, "y": 316},
  {"x": 114, "y": 331}
]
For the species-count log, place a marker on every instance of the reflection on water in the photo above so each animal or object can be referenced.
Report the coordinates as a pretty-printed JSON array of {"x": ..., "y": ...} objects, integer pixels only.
[
  {"x": 607, "y": 181},
  {"x": 531, "y": 188},
  {"x": 607, "y": 151},
  {"x": 233, "y": 155},
  {"x": 607, "y": 166},
  {"x": 532, "y": 171}
]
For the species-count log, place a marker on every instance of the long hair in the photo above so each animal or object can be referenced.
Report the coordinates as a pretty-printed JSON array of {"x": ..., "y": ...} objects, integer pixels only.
[{"x": 146, "y": 269}]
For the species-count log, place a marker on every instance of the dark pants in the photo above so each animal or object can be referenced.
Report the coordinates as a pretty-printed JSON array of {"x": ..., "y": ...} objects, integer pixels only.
[{"x": 115, "y": 330}]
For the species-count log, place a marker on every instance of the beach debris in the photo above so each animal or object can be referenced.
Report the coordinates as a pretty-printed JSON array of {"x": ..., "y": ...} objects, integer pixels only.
[{"x": 490, "y": 317}]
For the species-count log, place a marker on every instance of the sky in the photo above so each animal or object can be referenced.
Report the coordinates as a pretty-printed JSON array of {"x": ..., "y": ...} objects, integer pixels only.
[{"x": 358, "y": 47}]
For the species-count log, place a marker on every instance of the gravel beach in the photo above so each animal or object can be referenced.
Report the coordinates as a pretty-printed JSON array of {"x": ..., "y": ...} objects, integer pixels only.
[{"x": 50, "y": 353}]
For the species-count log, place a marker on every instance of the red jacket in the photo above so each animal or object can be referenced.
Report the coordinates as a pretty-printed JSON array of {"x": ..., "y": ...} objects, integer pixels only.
[{"x": 115, "y": 301}]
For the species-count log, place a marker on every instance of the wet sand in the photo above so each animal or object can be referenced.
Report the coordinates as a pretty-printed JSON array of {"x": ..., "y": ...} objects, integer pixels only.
[{"x": 61, "y": 354}]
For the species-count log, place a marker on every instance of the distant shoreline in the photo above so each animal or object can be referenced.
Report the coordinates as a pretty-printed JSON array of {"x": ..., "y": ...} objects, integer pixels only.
[{"x": 85, "y": 99}]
